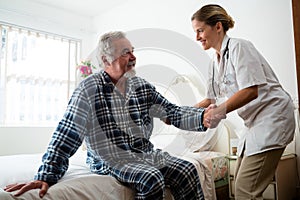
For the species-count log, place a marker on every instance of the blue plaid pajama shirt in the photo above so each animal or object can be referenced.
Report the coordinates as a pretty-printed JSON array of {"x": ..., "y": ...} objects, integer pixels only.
[{"x": 116, "y": 129}]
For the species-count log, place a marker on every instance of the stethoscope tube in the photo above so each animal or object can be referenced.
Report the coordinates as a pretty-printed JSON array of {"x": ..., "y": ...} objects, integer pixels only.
[{"x": 226, "y": 52}]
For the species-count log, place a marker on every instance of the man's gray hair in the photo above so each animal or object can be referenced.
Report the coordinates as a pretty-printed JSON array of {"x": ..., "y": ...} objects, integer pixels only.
[{"x": 105, "y": 45}]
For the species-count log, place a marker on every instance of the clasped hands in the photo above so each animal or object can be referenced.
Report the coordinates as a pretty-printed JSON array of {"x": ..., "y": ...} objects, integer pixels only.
[{"x": 213, "y": 115}]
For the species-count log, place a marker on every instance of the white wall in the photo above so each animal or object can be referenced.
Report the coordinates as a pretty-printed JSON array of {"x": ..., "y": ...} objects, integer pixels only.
[{"x": 24, "y": 140}]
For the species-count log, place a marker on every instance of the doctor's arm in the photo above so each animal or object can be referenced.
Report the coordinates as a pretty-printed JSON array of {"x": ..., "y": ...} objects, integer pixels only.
[
  {"x": 204, "y": 103},
  {"x": 238, "y": 100}
]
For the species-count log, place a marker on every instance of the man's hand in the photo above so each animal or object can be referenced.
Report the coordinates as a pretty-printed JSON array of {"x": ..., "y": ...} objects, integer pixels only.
[
  {"x": 212, "y": 116},
  {"x": 24, "y": 187}
]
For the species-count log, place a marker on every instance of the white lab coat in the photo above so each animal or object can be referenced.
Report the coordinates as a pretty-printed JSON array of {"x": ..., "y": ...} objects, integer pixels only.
[{"x": 269, "y": 119}]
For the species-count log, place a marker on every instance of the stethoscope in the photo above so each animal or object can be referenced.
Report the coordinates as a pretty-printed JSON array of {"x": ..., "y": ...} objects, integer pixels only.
[{"x": 225, "y": 54}]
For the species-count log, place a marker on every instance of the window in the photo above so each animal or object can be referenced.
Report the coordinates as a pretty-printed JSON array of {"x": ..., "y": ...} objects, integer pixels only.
[{"x": 37, "y": 76}]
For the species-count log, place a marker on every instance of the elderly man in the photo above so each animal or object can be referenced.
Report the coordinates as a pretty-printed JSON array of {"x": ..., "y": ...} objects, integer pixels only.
[{"x": 113, "y": 111}]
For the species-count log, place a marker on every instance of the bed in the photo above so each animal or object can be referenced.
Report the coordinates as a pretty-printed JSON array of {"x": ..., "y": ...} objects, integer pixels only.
[{"x": 210, "y": 158}]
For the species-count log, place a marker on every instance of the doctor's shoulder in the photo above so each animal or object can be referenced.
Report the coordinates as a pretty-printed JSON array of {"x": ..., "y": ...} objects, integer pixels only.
[
  {"x": 239, "y": 45},
  {"x": 235, "y": 42}
]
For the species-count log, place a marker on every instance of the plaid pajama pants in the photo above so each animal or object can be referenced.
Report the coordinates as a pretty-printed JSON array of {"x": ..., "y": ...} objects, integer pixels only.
[{"x": 150, "y": 182}]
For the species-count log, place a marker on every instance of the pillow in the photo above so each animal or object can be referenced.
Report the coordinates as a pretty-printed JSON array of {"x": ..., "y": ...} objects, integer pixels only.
[{"x": 181, "y": 141}]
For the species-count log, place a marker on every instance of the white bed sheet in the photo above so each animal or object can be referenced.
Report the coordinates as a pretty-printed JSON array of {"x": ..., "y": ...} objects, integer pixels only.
[
  {"x": 80, "y": 183},
  {"x": 77, "y": 183}
]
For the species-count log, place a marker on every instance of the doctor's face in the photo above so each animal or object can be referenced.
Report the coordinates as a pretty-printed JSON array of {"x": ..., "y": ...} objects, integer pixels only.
[{"x": 206, "y": 34}]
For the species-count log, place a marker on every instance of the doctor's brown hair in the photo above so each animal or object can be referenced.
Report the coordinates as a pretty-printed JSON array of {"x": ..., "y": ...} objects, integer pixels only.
[{"x": 211, "y": 14}]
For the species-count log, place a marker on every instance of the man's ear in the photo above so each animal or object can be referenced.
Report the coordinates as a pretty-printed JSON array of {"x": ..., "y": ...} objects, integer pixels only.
[{"x": 104, "y": 60}]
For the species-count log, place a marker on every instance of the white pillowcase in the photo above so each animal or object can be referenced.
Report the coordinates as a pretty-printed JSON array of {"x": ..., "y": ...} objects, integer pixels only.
[{"x": 181, "y": 141}]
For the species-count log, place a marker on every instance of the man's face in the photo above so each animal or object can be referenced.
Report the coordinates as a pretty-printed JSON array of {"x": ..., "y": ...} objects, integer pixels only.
[{"x": 124, "y": 60}]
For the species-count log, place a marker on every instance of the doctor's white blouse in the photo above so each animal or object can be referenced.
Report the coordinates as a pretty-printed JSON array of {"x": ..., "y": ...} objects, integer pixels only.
[{"x": 269, "y": 119}]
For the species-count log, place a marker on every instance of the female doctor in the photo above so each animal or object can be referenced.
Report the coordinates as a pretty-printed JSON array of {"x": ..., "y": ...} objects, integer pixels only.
[{"x": 240, "y": 73}]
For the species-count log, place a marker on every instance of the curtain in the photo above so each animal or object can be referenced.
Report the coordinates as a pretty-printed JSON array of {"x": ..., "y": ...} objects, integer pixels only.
[{"x": 37, "y": 76}]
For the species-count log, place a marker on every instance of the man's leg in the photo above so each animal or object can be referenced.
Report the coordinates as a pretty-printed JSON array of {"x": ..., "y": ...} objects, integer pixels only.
[
  {"x": 254, "y": 173},
  {"x": 147, "y": 181},
  {"x": 182, "y": 178}
]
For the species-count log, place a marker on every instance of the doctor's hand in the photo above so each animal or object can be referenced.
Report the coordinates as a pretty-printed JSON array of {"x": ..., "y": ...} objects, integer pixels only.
[
  {"x": 24, "y": 187},
  {"x": 212, "y": 116}
]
